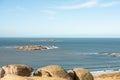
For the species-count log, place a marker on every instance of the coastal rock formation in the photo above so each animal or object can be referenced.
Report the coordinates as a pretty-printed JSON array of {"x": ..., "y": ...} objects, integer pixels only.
[
  {"x": 16, "y": 77},
  {"x": 82, "y": 74},
  {"x": 115, "y": 54},
  {"x": 115, "y": 76},
  {"x": 110, "y": 54},
  {"x": 72, "y": 74},
  {"x": 32, "y": 48},
  {"x": 2, "y": 72},
  {"x": 18, "y": 69},
  {"x": 29, "y": 48},
  {"x": 42, "y": 73},
  {"x": 54, "y": 71}
]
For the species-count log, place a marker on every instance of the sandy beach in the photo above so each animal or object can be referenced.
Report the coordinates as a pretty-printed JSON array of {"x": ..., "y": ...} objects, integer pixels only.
[{"x": 114, "y": 76}]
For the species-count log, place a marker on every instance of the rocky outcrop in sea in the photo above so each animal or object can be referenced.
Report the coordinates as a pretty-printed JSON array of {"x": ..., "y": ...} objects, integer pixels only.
[
  {"x": 110, "y": 54},
  {"x": 29, "y": 48}
]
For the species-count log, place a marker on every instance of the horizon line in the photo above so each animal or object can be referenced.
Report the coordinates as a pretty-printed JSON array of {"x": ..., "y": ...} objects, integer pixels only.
[{"x": 60, "y": 37}]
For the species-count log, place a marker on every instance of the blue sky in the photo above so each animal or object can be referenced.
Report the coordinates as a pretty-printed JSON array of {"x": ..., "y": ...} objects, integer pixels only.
[{"x": 59, "y": 18}]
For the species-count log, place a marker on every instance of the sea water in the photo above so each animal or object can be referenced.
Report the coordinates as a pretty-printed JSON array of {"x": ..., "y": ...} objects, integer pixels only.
[{"x": 68, "y": 52}]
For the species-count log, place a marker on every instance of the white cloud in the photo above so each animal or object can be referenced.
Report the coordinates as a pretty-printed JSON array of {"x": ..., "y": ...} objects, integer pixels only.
[
  {"x": 88, "y": 4},
  {"x": 109, "y": 4}
]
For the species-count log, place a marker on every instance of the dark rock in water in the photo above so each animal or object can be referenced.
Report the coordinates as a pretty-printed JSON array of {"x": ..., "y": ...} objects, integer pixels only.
[
  {"x": 2, "y": 72},
  {"x": 115, "y": 54},
  {"x": 18, "y": 69},
  {"x": 110, "y": 54}
]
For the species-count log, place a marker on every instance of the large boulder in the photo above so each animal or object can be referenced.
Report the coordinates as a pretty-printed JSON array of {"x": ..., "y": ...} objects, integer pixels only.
[
  {"x": 82, "y": 74},
  {"x": 53, "y": 71},
  {"x": 18, "y": 69},
  {"x": 2, "y": 72}
]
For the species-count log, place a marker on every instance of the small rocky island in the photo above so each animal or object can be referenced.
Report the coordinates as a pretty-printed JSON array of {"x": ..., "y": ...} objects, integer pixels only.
[
  {"x": 29, "y": 48},
  {"x": 110, "y": 54}
]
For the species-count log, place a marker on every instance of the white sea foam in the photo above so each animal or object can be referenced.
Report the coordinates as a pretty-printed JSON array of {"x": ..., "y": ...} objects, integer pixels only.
[
  {"x": 51, "y": 47},
  {"x": 97, "y": 73},
  {"x": 92, "y": 53}
]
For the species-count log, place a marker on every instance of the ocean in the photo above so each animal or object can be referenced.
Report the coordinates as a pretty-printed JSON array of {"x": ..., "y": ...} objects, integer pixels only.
[{"x": 69, "y": 53}]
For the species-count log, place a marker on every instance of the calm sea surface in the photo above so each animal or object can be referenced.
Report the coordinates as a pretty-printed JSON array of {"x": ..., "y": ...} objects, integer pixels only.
[{"x": 72, "y": 53}]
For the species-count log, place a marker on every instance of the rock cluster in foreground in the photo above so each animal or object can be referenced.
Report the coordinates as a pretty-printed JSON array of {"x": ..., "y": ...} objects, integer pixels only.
[{"x": 52, "y": 72}]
